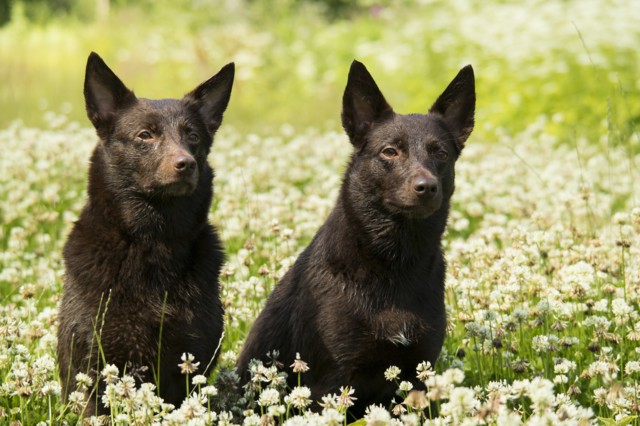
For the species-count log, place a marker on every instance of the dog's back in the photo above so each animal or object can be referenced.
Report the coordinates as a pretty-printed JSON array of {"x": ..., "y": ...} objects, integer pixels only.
[
  {"x": 142, "y": 261},
  {"x": 368, "y": 292}
]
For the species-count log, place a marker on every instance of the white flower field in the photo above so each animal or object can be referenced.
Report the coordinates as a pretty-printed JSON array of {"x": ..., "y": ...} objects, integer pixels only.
[{"x": 543, "y": 239}]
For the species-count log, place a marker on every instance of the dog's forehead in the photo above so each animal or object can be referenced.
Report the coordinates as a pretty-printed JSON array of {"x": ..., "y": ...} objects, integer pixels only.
[
  {"x": 165, "y": 110},
  {"x": 428, "y": 125},
  {"x": 417, "y": 127},
  {"x": 162, "y": 106}
]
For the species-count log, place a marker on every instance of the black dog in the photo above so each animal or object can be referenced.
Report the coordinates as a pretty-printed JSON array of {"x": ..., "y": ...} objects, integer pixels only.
[
  {"x": 368, "y": 292},
  {"x": 142, "y": 262}
]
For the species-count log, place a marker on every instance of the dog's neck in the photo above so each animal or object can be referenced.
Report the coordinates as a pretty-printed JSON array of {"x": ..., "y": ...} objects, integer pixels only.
[
  {"x": 140, "y": 217},
  {"x": 394, "y": 240}
]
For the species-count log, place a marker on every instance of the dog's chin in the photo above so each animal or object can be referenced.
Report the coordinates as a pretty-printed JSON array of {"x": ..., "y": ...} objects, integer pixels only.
[
  {"x": 176, "y": 189},
  {"x": 179, "y": 189},
  {"x": 412, "y": 211}
]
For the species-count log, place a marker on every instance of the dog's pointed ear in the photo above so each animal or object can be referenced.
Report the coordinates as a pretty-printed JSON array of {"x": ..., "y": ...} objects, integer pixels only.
[
  {"x": 362, "y": 104},
  {"x": 212, "y": 97},
  {"x": 457, "y": 105},
  {"x": 104, "y": 94}
]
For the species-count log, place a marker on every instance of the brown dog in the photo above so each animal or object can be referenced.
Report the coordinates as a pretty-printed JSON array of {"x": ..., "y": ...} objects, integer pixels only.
[
  {"x": 368, "y": 292},
  {"x": 142, "y": 262}
]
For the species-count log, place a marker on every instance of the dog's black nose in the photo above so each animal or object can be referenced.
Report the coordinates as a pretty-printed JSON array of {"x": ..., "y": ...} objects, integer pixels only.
[
  {"x": 185, "y": 164},
  {"x": 425, "y": 186}
]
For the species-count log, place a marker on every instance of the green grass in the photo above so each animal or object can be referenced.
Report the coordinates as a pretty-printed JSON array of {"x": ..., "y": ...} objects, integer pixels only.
[{"x": 544, "y": 235}]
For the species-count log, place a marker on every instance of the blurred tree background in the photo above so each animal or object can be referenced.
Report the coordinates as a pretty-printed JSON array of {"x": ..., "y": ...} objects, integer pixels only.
[
  {"x": 44, "y": 10},
  {"x": 563, "y": 64}
]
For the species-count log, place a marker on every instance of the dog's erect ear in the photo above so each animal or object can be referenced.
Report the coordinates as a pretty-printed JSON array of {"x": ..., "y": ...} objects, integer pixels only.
[
  {"x": 362, "y": 104},
  {"x": 104, "y": 94},
  {"x": 457, "y": 105},
  {"x": 212, "y": 97}
]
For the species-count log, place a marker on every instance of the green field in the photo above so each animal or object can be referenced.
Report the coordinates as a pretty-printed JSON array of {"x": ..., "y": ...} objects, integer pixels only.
[{"x": 543, "y": 243}]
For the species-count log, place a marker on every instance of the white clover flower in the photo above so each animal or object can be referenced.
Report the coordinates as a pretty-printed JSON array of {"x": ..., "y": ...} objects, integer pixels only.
[
  {"x": 209, "y": 390},
  {"x": 329, "y": 401},
  {"x": 276, "y": 410},
  {"x": 296, "y": 421},
  {"x": 601, "y": 305},
  {"x": 225, "y": 418},
  {"x": 44, "y": 364},
  {"x": 269, "y": 397},
  {"x": 299, "y": 366},
  {"x": 600, "y": 323},
  {"x": 622, "y": 311},
  {"x": 544, "y": 307},
  {"x": 147, "y": 397},
  {"x": 77, "y": 401},
  {"x": 489, "y": 316},
  {"x": 257, "y": 370},
  {"x": 199, "y": 379},
  {"x": 84, "y": 381},
  {"x": 122, "y": 419},
  {"x": 392, "y": 373},
  {"x": 547, "y": 417},
  {"x": 126, "y": 387},
  {"x": 580, "y": 273},
  {"x": 462, "y": 402},
  {"x": 519, "y": 314},
  {"x": 603, "y": 369},
  {"x": 473, "y": 329},
  {"x": 564, "y": 366},
  {"x": 632, "y": 367},
  {"x": 110, "y": 373},
  {"x": 110, "y": 396},
  {"x": 274, "y": 377},
  {"x": 299, "y": 397},
  {"x": 346, "y": 398},
  {"x": 438, "y": 387},
  {"x": 228, "y": 357},
  {"x": 376, "y": 415},
  {"x": 423, "y": 371},
  {"x": 600, "y": 395},
  {"x": 496, "y": 389},
  {"x": 567, "y": 341},
  {"x": 620, "y": 218},
  {"x": 508, "y": 418},
  {"x": 453, "y": 376},
  {"x": 51, "y": 388},
  {"x": 541, "y": 393},
  {"x": 415, "y": 399},
  {"x": 332, "y": 417},
  {"x": 410, "y": 419},
  {"x": 251, "y": 420},
  {"x": 405, "y": 386},
  {"x": 519, "y": 388},
  {"x": 540, "y": 343},
  {"x": 192, "y": 408},
  {"x": 560, "y": 379},
  {"x": 188, "y": 366}
]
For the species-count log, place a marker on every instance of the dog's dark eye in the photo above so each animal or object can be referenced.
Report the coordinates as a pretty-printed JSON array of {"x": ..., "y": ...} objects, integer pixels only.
[
  {"x": 144, "y": 135},
  {"x": 389, "y": 152},
  {"x": 193, "y": 137},
  {"x": 441, "y": 155}
]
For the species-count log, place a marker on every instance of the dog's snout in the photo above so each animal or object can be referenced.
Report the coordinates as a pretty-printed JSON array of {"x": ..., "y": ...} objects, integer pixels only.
[
  {"x": 184, "y": 163},
  {"x": 425, "y": 186}
]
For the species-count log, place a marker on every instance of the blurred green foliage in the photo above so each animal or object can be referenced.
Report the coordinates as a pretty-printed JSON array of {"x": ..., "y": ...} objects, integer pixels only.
[
  {"x": 41, "y": 11},
  {"x": 559, "y": 62},
  {"x": 47, "y": 10}
]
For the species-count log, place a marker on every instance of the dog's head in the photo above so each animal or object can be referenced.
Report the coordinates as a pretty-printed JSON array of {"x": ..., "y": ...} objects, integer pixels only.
[
  {"x": 406, "y": 162},
  {"x": 157, "y": 148}
]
